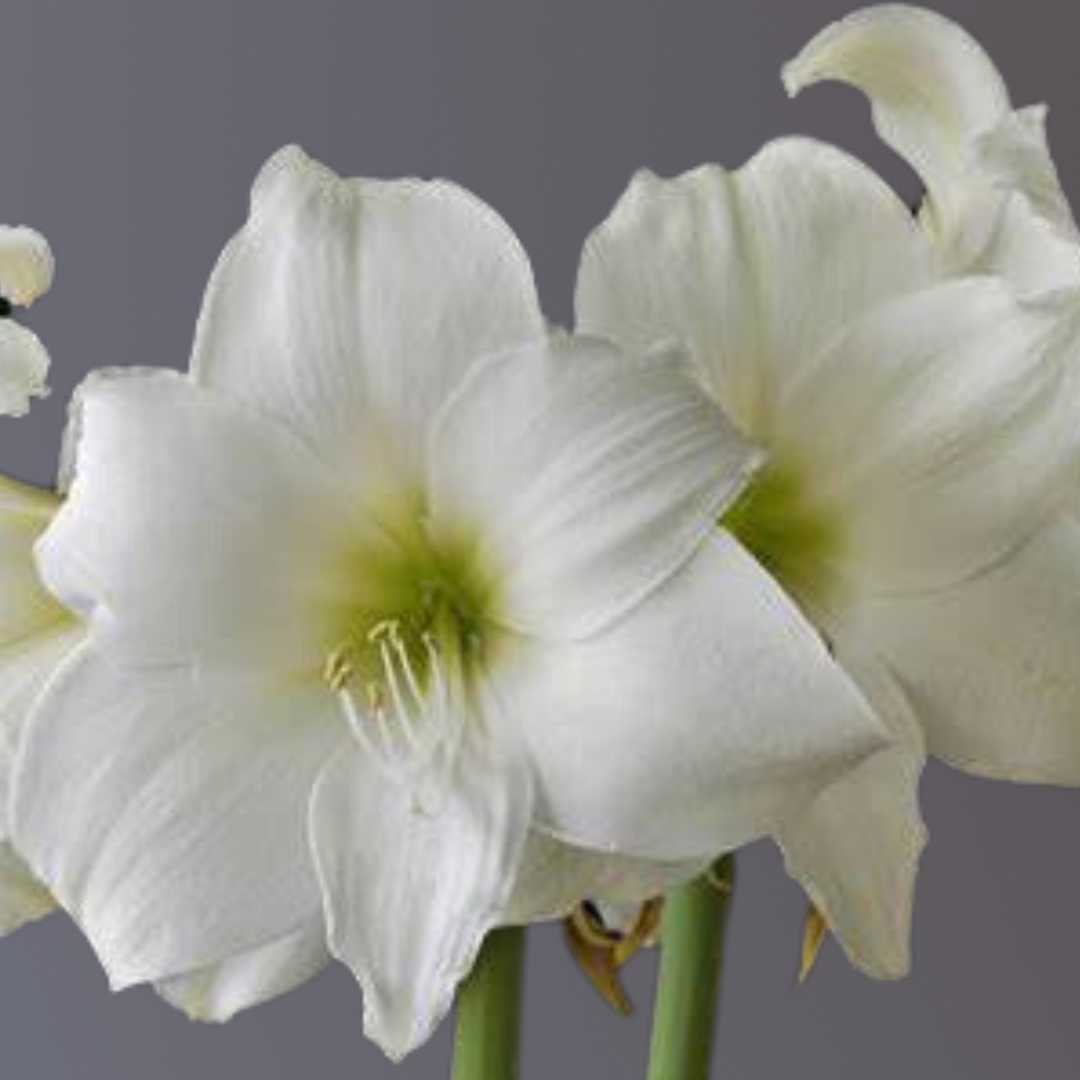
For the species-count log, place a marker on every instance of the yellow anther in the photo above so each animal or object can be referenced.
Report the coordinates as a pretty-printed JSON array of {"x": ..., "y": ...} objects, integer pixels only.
[
  {"x": 338, "y": 671},
  {"x": 383, "y": 629}
]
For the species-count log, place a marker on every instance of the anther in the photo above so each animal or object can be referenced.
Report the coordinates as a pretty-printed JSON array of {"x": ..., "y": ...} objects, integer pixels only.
[
  {"x": 338, "y": 672},
  {"x": 384, "y": 628}
]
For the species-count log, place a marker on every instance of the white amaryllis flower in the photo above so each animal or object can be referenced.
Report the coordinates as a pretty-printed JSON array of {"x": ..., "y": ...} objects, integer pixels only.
[
  {"x": 26, "y": 273},
  {"x": 922, "y": 441},
  {"x": 376, "y": 623},
  {"x": 994, "y": 203}
]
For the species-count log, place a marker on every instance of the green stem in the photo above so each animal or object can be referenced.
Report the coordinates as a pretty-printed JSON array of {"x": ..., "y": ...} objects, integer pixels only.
[
  {"x": 688, "y": 988},
  {"x": 488, "y": 1010}
]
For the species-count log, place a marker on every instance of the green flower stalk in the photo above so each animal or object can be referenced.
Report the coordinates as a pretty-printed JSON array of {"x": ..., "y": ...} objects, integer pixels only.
[
  {"x": 695, "y": 918},
  {"x": 487, "y": 1043}
]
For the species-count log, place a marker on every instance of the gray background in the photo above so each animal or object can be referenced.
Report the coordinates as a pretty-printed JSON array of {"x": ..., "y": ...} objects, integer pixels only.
[{"x": 130, "y": 132}]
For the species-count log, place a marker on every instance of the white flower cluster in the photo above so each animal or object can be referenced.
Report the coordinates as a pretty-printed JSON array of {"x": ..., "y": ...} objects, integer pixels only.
[{"x": 400, "y": 616}]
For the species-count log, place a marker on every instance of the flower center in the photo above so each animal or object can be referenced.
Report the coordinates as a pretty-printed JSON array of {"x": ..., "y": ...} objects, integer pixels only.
[
  {"x": 787, "y": 532},
  {"x": 414, "y": 631}
]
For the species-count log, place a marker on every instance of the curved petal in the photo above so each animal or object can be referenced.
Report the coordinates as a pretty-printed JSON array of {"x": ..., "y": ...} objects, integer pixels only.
[
  {"x": 347, "y": 307},
  {"x": 730, "y": 264},
  {"x": 23, "y": 899},
  {"x": 590, "y": 477},
  {"x": 555, "y": 877},
  {"x": 995, "y": 203},
  {"x": 411, "y": 892},
  {"x": 951, "y": 448},
  {"x": 992, "y": 666},
  {"x": 215, "y": 994},
  {"x": 24, "y": 364},
  {"x": 26, "y": 265},
  {"x": 856, "y": 847},
  {"x": 195, "y": 530},
  {"x": 934, "y": 91},
  {"x": 697, "y": 723},
  {"x": 167, "y": 811}
]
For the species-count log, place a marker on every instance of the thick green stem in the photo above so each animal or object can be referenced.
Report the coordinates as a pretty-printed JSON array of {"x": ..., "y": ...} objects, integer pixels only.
[
  {"x": 688, "y": 988},
  {"x": 489, "y": 1011}
]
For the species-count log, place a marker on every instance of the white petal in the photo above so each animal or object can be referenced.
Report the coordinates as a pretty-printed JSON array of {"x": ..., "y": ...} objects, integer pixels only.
[
  {"x": 24, "y": 364},
  {"x": 856, "y": 847},
  {"x": 934, "y": 91},
  {"x": 26, "y": 666},
  {"x": 26, "y": 265},
  {"x": 217, "y": 993},
  {"x": 992, "y": 666},
  {"x": 695, "y": 724},
  {"x": 1036, "y": 245},
  {"x": 167, "y": 812},
  {"x": 730, "y": 264},
  {"x": 22, "y": 897},
  {"x": 36, "y": 633},
  {"x": 589, "y": 475},
  {"x": 411, "y": 892},
  {"x": 25, "y": 513},
  {"x": 555, "y": 877},
  {"x": 939, "y": 433},
  {"x": 35, "y": 636},
  {"x": 195, "y": 530},
  {"x": 349, "y": 306},
  {"x": 1015, "y": 154}
]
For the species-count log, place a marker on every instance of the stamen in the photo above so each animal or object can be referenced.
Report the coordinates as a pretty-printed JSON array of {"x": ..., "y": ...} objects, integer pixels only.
[
  {"x": 410, "y": 734},
  {"x": 393, "y": 755},
  {"x": 406, "y": 665},
  {"x": 357, "y": 723},
  {"x": 440, "y": 692},
  {"x": 393, "y": 655}
]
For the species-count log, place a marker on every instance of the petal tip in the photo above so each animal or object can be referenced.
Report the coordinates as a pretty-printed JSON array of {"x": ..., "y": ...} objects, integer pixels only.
[{"x": 796, "y": 77}]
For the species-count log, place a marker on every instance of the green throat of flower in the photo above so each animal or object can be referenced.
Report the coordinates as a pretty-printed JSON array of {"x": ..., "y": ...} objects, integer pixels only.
[
  {"x": 415, "y": 628},
  {"x": 777, "y": 521}
]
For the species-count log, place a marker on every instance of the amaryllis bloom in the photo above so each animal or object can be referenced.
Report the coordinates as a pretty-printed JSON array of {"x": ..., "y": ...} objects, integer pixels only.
[
  {"x": 26, "y": 273},
  {"x": 391, "y": 601},
  {"x": 993, "y": 202},
  {"x": 922, "y": 439}
]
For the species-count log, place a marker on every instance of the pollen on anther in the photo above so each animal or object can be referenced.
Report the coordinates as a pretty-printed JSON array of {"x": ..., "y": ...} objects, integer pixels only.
[{"x": 338, "y": 672}]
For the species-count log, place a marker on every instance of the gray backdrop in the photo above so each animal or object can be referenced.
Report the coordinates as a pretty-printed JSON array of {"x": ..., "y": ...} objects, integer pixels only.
[{"x": 130, "y": 131}]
